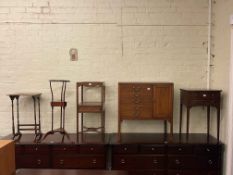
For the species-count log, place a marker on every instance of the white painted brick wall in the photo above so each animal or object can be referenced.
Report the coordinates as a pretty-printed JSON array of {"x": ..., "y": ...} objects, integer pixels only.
[{"x": 117, "y": 40}]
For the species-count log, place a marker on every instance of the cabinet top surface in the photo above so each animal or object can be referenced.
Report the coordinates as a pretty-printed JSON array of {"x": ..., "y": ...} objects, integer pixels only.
[
  {"x": 145, "y": 82},
  {"x": 160, "y": 138},
  {"x": 201, "y": 90},
  {"x": 56, "y": 139},
  {"x": 125, "y": 138}
]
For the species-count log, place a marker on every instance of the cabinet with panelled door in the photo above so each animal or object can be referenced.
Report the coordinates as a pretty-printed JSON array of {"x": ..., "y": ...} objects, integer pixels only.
[{"x": 145, "y": 101}]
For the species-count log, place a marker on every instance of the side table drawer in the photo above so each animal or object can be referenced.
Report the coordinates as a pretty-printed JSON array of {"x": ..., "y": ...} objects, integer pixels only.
[
  {"x": 125, "y": 149},
  {"x": 205, "y": 95}
]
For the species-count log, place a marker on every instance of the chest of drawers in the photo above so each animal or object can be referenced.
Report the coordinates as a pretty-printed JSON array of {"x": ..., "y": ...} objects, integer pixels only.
[{"x": 146, "y": 154}]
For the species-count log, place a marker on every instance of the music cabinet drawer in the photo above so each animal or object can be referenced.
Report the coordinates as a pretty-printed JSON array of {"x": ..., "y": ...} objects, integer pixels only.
[
  {"x": 82, "y": 162},
  {"x": 32, "y": 161},
  {"x": 180, "y": 149},
  {"x": 152, "y": 149},
  {"x": 92, "y": 149},
  {"x": 125, "y": 149},
  {"x": 207, "y": 149},
  {"x": 67, "y": 149},
  {"x": 138, "y": 162},
  {"x": 181, "y": 162}
]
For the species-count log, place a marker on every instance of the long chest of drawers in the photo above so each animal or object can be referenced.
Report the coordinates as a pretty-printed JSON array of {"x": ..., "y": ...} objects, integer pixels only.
[
  {"x": 140, "y": 154},
  {"x": 151, "y": 154},
  {"x": 61, "y": 155}
]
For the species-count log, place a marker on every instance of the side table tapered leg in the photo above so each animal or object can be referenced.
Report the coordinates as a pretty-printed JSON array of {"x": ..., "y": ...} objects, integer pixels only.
[{"x": 188, "y": 113}]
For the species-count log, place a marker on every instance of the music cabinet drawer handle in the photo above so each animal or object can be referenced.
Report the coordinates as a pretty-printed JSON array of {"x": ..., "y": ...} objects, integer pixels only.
[
  {"x": 64, "y": 149},
  {"x": 36, "y": 148},
  {"x": 148, "y": 89},
  {"x": 94, "y": 161},
  {"x": 61, "y": 162},
  {"x": 179, "y": 149},
  {"x": 92, "y": 149},
  {"x": 125, "y": 148},
  {"x": 207, "y": 149},
  {"x": 155, "y": 161},
  {"x": 204, "y": 95},
  {"x": 152, "y": 149}
]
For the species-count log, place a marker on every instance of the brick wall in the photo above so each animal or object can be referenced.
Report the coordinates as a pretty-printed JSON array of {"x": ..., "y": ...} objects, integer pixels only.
[{"x": 117, "y": 40}]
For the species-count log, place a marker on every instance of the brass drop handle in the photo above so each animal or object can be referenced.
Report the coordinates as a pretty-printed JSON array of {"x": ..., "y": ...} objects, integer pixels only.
[
  {"x": 177, "y": 162},
  {"x": 61, "y": 162},
  {"x": 38, "y": 161},
  {"x": 210, "y": 162},
  {"x": 148, "y": 89},
  {"x": 155, "y": 161},
  {"x": 122, "y": 161},
  {"x": 94, "y": 161}
]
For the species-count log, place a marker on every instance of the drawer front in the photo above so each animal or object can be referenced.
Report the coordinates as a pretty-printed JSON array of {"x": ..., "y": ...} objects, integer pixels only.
[
  {"x": 65, "y": 149},
  {"x": 180, "y": 149},
  {"x": 32, "y": 161},
  {"x": 181, "y": 162},
  {"x": 19, "y": 149},
  {"x": 147, "y": 172},
  {"x": 207, "y": 149},
  {"x": 152, "y": 149},
  {"x": 191, "y": 172},
  {"x": 131, "y": 111},
  {"x": 36, "y": 149},
  {"x": 81, "y": 162},
  {"x": 135, "y": 93},
  {"x": 208, "y": 163},
  {"x": 125, "y": 149},
  {"x": 122, "y": 162},
  {"x": 92, "y": 149},
  {"x": 205, "y": 95}
]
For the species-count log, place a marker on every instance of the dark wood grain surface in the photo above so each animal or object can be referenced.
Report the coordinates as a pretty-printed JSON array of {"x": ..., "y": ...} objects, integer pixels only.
[{"x": 68, "y": 172}]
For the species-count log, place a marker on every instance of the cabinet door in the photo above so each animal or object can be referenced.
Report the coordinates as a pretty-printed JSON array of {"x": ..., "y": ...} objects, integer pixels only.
[{"x": 162, "y": 101}]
